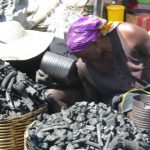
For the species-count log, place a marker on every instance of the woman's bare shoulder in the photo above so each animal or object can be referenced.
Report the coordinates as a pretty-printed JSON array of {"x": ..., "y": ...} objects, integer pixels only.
[
  {"x": 133, "y": 33},
  {"x": 131, "y": 29}
]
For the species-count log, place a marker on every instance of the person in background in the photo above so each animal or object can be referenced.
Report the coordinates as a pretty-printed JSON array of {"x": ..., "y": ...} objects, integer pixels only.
[
  {"x": 22, "y": 48},
  {"x": 131, "y": 4},
  {"x": 113, "y": 58}
]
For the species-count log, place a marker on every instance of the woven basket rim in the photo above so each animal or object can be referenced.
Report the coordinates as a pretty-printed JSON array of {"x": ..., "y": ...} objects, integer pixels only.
[
  {"x": 15, "y": 127},
  {"x": 22, "y": 117}
]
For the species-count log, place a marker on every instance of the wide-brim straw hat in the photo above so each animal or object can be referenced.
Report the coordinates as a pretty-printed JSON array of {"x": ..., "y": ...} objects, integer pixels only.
[{"x": 16, "y": 43}]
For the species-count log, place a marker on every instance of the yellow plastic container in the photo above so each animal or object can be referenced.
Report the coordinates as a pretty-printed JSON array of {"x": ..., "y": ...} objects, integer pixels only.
[{"x": 115, "y": 13}]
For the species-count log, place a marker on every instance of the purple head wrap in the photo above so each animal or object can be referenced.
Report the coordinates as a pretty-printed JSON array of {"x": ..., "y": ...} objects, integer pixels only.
[{"x": 83, "y": 31}]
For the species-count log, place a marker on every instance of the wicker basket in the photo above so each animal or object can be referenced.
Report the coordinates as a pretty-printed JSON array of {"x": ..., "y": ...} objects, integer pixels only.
[
  {"x": 28, "y": 145},
  {"x": 12, "y": 130}
]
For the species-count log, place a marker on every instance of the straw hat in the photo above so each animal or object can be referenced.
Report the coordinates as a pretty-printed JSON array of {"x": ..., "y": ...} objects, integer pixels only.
[{"x": 16, "y": 43}]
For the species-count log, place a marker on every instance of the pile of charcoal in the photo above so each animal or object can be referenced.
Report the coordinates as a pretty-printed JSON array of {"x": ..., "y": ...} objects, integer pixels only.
[
  {"x": 86, "y": 126},
  {"x": 18, "y": 93}
]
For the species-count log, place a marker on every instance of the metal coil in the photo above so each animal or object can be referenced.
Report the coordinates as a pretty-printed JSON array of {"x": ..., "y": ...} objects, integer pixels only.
[{"x": 57, "y": 66}]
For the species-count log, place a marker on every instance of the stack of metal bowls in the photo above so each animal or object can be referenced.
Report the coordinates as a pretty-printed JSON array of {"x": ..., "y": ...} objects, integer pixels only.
[
  {"x": 141, "y": 111},
  {"x": 57, "y": 66}
]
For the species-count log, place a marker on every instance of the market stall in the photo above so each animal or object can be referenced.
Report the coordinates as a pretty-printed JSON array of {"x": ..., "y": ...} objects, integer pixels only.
[{"x": 26, "y": 120}]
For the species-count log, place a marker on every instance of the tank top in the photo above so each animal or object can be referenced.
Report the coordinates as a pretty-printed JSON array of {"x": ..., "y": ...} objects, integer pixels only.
[{"x": 128, "y": 70}]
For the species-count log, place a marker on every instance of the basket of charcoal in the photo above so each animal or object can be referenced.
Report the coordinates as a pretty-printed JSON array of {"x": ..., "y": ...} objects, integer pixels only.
[
  {"x": 20, "y": 103},
  {"x": 87, "y": 126}
]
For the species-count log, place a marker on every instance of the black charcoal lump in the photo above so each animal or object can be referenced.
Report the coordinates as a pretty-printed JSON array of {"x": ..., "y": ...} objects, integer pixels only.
[
  {"x": 18, "y": 93},
  {"x": 82, "y": 127}
]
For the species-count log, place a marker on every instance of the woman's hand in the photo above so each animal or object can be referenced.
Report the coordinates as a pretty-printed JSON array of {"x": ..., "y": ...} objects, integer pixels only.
[{"x": 43, "y": 78}]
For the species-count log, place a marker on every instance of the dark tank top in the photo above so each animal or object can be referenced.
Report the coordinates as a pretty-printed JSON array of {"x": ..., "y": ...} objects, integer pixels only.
[{"x": 126, "y": 73}]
